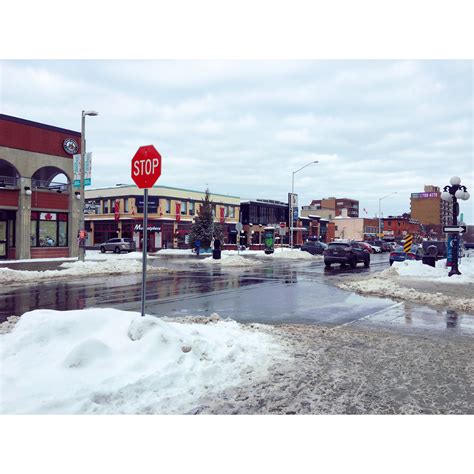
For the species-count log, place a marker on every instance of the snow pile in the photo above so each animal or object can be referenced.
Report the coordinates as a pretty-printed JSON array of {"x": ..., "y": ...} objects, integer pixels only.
[
  {"x": 232, "y": 261},
  {"x": 76, "y": 269},
  {"x": 293, "y": 254},
  {"x": 391, "y": 289},
  {"x": 175, "y": 252},
  {"x": 96, "y": 255},
  {"x": 416, "y": 269},
  {"x": 110, "y": 361}
]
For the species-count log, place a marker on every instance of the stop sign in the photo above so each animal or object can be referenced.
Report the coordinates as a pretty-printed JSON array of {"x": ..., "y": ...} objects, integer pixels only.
[{"x": 146, "y": 166}]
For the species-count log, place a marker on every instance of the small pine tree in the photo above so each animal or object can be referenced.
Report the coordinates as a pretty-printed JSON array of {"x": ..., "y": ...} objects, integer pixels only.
[{"x": 204, "y": 228}]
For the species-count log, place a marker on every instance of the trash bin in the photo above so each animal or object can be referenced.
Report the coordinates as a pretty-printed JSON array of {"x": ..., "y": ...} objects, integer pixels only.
[
  {"x": 216, "y": 254},
  {"x": 429, "y": 258}
]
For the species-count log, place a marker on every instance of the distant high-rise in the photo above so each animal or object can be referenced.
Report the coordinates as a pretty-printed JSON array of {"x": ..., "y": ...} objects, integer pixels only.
[{"x": 428, "y": 207}]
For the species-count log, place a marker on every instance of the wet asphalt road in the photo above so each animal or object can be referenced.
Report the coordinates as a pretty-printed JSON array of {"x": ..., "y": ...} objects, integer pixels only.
[{"x": 277, "y": 292}]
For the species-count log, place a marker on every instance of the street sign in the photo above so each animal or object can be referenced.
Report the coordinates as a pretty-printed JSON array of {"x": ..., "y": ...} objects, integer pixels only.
[
  {"x": 146, "y": 169},
  {"x": 239, "y": 226},
  {"x": 408, "y": 243},
  {"x": 448, "y": 229},
  {"x": 282, "y": 225},
  {"x": 282, "y": 231},
  {"x": 146, "y": 166}
]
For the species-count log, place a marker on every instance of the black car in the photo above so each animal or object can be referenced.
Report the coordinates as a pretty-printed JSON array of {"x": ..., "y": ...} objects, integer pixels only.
[
  {"x": 314, "y": 247},
  {"x": 346, "y": 253}
]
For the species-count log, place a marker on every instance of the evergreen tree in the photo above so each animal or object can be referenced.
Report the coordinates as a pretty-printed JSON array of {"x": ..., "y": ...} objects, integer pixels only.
[{"x": 204, "y": 228}]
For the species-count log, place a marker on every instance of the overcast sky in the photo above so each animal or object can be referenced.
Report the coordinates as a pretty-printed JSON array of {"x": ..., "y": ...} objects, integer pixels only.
[{"x": 242, "y": 127}]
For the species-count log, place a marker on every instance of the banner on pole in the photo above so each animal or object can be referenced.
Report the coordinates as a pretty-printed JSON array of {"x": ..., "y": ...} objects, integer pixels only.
[{"x": 76, "y": 164}]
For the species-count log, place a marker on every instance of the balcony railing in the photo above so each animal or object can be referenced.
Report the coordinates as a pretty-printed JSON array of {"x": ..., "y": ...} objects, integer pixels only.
[
  {"x": 9, "y": 181},
  {"x": 49, "y": 185}
]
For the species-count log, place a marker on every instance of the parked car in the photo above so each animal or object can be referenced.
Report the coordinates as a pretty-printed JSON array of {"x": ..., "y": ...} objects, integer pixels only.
[
  {"x": 376, "y": 248},
  {"x": 366, "y": 246},
  {"x": 350, "y": 253},
  {"x": 399, "y": 255},
  {"x": 385, "y": 246},
  {"x": 118, "y": 246},
  {"x": 314, "y": 247}
]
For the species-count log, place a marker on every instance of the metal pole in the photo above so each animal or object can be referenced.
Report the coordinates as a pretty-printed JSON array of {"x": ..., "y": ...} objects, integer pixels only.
[
  {"x": 380, "y": 231},
  {"x": 454, "y": 268},
  {"x": 144, "y": 249},
  {"x": 82, "y": 187},
  {"x": 290, "y": 222}
]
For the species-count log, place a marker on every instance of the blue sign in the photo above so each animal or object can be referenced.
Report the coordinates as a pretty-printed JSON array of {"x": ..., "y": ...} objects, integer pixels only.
[
  {"x": 295, "y": 214},
  {"x": 153, "y": 203}
]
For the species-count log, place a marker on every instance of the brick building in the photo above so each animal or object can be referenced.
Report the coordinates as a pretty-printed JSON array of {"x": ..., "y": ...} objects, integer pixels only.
[
  {"x": 39, "y": 213},
  {"x": 336, "y": 205},
  {"x": 430, "y": 210},
  {"x": 398, "y": 227}
]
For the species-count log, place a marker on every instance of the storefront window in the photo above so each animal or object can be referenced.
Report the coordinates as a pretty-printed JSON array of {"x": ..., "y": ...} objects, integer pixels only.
[
  {"x": 106, "y": 206},
  {"x": 48, "y": 229},
  {"x": 232, "y": 212},
  {"x": 184, "y": 207},
  {"x": 191, "y": 208},
  {"x": 167, "y": 206},
  {"x": 125, "y": 205}
]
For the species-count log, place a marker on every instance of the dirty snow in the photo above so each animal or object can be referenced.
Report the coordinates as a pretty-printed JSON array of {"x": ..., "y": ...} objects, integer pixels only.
[
  {"x": 112, "y": 362},
  {"x": 175, "y": 252},
  {"x": 232, "y": 261},
  {"x": 413, "y": 281},
  {"x": 292, "y": 254},
  {"x": 416, "y": 269},
  {"x": 76, "y": 269}
]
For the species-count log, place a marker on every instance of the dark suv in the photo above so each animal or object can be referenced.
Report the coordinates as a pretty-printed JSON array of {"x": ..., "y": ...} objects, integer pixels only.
[
  {"x": 346, "y": 253},
  {"x": 118, "y": 245},
  {"x": 314, "y": 247}
]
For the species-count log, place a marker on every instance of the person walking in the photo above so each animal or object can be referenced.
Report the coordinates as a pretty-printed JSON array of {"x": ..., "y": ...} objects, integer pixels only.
[{"x": 197, "y": 246}]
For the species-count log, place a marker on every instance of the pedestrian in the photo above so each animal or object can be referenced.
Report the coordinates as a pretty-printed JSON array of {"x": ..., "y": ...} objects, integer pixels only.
[{"x": 197, "y": 246}]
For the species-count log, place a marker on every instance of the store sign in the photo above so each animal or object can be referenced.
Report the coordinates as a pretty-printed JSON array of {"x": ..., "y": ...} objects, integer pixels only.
[
  {"x": 91, "y": 207},
  {"x": 153, "y": 203},
  {"x": 76, "y": 164},
  {"x": 424, "y": 195},
  {"x": 70, "y": 146},
  {"x": 47, "y": 216},
  {"x": 151, "y": 228}
]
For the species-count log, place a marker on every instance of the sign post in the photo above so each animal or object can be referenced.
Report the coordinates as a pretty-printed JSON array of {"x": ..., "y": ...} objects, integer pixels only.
[
  {"x": 238, "y": 228},
  {"x": 146, "y": 169}
]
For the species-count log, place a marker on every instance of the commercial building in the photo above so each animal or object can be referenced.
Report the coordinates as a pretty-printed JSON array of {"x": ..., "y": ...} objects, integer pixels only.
[
  {"x": 39, "y": 213},
  {"x": 336, "y": 205},
  {"x": 355, "y": 228},
  {"x": 430, "y": 210},
  {"x": 258, "y": 214},
  {"x": 117, "y": 212},
  {"x": 398, "y": 227}
]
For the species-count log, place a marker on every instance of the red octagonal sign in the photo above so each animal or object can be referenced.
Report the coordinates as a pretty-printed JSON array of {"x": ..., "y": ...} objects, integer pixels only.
[{"x": 146, "y": 166}]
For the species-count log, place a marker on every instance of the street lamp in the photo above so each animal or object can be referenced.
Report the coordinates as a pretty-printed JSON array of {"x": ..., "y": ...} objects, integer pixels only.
[
  {"x": 452, "y": 194},
  {"x": 82, "y": 244},
  {"x": 380, "y": 200},
  {"x": 290, "y": 220}
]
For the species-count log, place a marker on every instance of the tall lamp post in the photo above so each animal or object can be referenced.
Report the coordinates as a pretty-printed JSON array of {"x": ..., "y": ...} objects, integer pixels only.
[
  {"x": 380, "y": 201},
  {"x": 290, "y": 220},
  {"x": 82, "y": 244},
  {"x": 452, "y": 194}
]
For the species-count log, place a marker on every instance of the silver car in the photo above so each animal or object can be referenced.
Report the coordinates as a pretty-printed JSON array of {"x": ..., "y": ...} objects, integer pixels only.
[{"x": 118, "y": 246}]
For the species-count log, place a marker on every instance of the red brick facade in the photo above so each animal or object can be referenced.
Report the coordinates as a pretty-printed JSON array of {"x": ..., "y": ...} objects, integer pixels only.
[{"x": 31, "y": 136}]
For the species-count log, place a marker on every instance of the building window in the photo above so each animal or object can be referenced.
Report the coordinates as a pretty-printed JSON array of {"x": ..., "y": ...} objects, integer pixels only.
[
  {"x": 232, "y": 212},
  {"x": 167, "y": 206},
  {"x": 184, "y": 207},
  {"x": 105, "y": 204},
  {"x": 192, "y": 208},
  {"x": 48, "y": 229},
  {"x": 213, "y": 211},
  {"x": 125, "y": 205}
]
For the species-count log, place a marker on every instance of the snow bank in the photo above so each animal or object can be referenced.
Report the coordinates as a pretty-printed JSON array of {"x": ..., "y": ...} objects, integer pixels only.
[
  {"x": 175, "y": 252},
  {"x": 109, "y": 361},
  {"x": 293, "y": 254},
  {"x": 232, "y": 261},
  {"x": 76, "y": 269},
  {"x": 391, "y": 289},
  {"x": 416, "y": 269}
]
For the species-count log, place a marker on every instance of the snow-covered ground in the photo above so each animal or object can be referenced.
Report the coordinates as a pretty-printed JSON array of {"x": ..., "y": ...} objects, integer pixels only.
[
  {"x": 111, "y": 361},
  {"x": 232, "y": 261},
  {"x": 293, "y": 254},
  {"x": 413, "y": 281},
  {"x": 77, "y": 269}
]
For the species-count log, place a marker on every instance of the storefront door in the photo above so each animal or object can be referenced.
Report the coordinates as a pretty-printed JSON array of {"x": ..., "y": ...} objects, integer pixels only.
[{"x": 3, "y": 239}]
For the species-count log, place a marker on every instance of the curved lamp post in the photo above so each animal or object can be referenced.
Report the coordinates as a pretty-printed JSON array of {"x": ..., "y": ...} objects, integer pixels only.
[
  {"x": 290, "y": 220},
  {"x": 380, "y": 200},
  {"x": 452, "y": 194}
]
